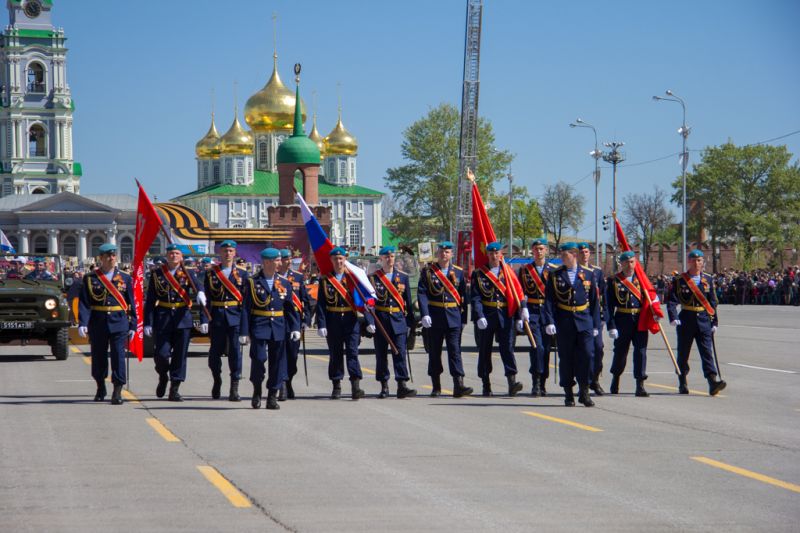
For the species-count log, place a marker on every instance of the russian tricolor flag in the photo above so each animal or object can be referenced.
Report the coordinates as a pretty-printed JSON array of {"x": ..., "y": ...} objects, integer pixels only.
[
  {"x": 322, "y": 246},
  {"x": 5, "y": 244}
]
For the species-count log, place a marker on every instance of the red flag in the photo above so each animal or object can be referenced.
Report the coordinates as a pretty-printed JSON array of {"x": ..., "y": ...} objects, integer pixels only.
[
  {"x": 148, "y": 223},
  {"x": 483, "y": 234},
  {"x": 647, "y": 321}
]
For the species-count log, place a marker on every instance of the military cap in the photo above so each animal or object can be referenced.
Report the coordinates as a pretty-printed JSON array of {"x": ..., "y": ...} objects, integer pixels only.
[
  {"x": 172, "y": 246},
  {"x": 624, "y": 256},
  {"x": 270, "y": 253},
  {"x": 206, "y": 260},
  {"x": 583, "y": 246},
  {"x": 695, "y": 253},
  {"x": 495, "y": 246},
  {"x": 386, "y": 250},
  {"x": 189, "y": 260},
  {"x": 228, "y": 243},
  {"x": 541, "y": 241},
  {"x": 159, "y": 261},
  {"x": 446, "y": 245},
  {"x": 338, "y": 250},
  {"x": 107, "y": 248},
  {"x": 285, "y": 253},
  {"x": 568, "y": 246}
]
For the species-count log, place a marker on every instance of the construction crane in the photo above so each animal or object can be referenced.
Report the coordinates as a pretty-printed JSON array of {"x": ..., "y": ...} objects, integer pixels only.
[{"x": 468, "y": 145}]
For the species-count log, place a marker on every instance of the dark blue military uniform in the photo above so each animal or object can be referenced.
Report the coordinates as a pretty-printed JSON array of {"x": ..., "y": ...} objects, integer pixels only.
[
  {"x": 490, "y": 303},
  {"x": 596, "y": 363},
  {"x": 166, "y": 311},
  {"x": 623, "y": 315},
  {"x": 226, "y": 312},
  {"x": 540, "y": 356},
  {"x": 396, "y": 320},
  {"x": 108, "y": 323},
  {"x": 696, "y": 323},
  {"x": 293, "y": 347}
]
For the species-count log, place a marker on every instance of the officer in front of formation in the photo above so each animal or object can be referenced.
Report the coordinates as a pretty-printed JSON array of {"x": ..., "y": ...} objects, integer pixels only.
[
  {"x": 302, "y": 304},
  {"x": 337, "y": 322},
  {"x": 107, "y": 314},
  {"x": 490, "y": 313},
  {"x": 624, "y": 299},
  {"x": 572, "y": 313},
  {"x": 224, "y": 288},
  {"x": 697, "y": 321},
  {"x": 269, "y": 317},
  {"x": 533, "y": 278},
  {"x": 168, "y": 314},
  {"x": 442, "y": 298},
  {"x": 596, "y": 363},
  {"x": 393, "y": 307}
]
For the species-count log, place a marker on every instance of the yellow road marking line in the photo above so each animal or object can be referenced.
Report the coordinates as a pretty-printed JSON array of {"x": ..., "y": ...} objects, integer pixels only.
[
  {"x": 224, "y": 486},
  {"x": 162, "y": 430},
  {"x": 748, "y": 473},
  {"x": 446, "y": 391},
  {"x": 128, "y": 395},
  {"x": 669, "y": 387},
  {"x": 562, "y": 421},
  {"x": 74, "y": 349},
  {"x": 87, "y": 360}
]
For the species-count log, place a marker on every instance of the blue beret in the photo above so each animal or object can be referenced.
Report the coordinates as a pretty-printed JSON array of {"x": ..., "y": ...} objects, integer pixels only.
[
  {"x": 172, "y": 246},
  {"x": 270, "y": 253},
  {"x": 338, "y": 251},
  {"x": 568, "y": 246},
  {"x": 495, "y": 246},
  {"x": 107, "y": 248},
  {"x": 542, "y": 241},
  {"x": 583, "y": 246},
  {"x": 227, "y": 243},
  {"x": 159, "y": 261},
  {"x": 189, "y": 260},
  {"x": 387, "y": 250},
  {"x": 285, "y": 253},
  {"x": 206, "y": 260},
  {"x": 695, "y": 253},
  {"x": 446, "y": 245},
  {"x": 624, "y": 256}
]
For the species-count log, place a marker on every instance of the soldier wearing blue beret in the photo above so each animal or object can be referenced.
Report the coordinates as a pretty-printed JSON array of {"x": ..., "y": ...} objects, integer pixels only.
[
  {"x": 596, "y": 363},
  {"x": 302, "y": 305},
  {"x": 107, "y": 315}
]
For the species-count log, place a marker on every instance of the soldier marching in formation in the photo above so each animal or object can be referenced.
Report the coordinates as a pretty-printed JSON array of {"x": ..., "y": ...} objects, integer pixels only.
[
  {"x": 302, "y": 304},
  {"x": 596, "y": 363},
  {"x": 533, "y": 278}
]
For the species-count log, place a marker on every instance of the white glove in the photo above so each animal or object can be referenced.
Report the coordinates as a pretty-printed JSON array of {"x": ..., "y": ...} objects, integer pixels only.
[
  {"x": 526, "y": 315},
  {"x": 83, "y": 331},
  {"x": 148, "y": 331},
  {"x": 370, "y": 328},
  {"x": 204, "y": 329},
  {"x": 713, "y": 329},
  {"x": 482, "y": 323},
  {"x": 294, "y": 336},
  {"x": 675, "y": 323},
  {"x": 426, "y": 321},
  {"x": 550, "y": 329},
  {"x": 201, "y": 298},
  {"x": 520, "y": 325},
  {"x": 613, "y": 333},
  {"x": 303, "y": 326},
  {"x": 322, "y": 332},
  {"x": 595, "y": 333},
  {"x": 131, "y": 335},
  {"x": 243, "y": 339}
]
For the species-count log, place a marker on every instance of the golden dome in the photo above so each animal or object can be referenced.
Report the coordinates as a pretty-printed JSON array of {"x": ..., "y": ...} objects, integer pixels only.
[
  {"x": 317, "y": 138},
  {"x": 237, "y": 140},
  {"x": 272, "y": 108},
  {"x": 340, "y": 141},
  {"x": 208, "y": 146}
]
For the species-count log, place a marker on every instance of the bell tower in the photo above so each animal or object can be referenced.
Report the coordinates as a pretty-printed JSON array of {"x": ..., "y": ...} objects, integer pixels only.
[{"x": 36, "y": 106}]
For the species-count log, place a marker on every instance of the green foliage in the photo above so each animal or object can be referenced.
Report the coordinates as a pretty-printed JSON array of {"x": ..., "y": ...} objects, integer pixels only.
[
  {"x": 561, "y": 208},
  {"x": 525, "y": 214}
]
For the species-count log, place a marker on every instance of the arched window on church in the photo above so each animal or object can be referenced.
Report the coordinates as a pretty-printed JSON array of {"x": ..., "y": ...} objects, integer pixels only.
[
  {"x": 37, "y": 142},
  {"x": 96, "y": 242},
  {"x": 155, "y": 248},
  {"x": 69, "y": 246},
  {"x": 39, "y": 190},
  {"x": 216, "y": 171},
  {"x": 36, "y": 78},
  {"x": 126, "y": 249},
  {"x": 263, "y": 151},
  {"x": 240, "y": 169},
  {"x": 228, "y": 171},
  {"x": 40, "y": 244},
  {"x": 14, "y": 242}
]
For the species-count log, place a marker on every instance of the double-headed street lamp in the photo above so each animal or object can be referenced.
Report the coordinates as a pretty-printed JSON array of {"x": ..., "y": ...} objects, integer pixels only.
[
  {"x": 596, "y": 154},
  {"x": 510, "y": 214},
  {"x": 684, "y": 133},
  {"x": 614, "y": 157}
]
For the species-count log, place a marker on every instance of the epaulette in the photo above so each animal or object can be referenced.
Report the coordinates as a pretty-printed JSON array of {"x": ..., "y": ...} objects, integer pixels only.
[
  {"x": 281, "y": 276},
  {"x": 561, "y": 267},
  {"x": 457, "y": 267},
  {"x": 551, "y": 265},
  {"x": 401, "y": 272},
  {"x": 596, "y": 267}
]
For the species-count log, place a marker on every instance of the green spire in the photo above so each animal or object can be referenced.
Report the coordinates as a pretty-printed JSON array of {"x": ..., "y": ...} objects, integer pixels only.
[
  {"x": 298, "y": 149},
  {"x": 298, "y": 117}
]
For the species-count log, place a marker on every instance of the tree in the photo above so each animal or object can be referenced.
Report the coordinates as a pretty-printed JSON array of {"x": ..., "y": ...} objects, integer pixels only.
[
  {"x": 643, "y": 216},
  {"x": 427, "y": 186},
  {"x": 561, "y": 208},
  {"x": 526, "y": 217},
  {"x": 749, "y": 195}
]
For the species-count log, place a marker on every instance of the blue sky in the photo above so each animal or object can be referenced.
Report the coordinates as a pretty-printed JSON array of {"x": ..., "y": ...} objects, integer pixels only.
[{"x": 142, "y": 73}]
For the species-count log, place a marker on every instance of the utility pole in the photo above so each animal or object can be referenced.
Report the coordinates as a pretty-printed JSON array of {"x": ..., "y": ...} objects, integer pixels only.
[
  {"x": 510, "y": 214},
  {"x": 614, "y": 157}
]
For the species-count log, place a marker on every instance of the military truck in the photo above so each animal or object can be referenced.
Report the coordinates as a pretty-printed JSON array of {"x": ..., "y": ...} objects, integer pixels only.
[{"x": 33, "y": 309}]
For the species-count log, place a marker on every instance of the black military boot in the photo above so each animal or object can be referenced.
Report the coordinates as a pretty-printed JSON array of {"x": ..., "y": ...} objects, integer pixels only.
[
  {"x": 459, "y": 389},
  {"x": 100, "y": 395},
  {"x": 384, "y": 393},
  {"x": 514, "y": 386},
  {"x": 174, "y": 395},
  {"x": 543, "y": 383},
  {"x": 256, "y": 400},
  {"x": 403, "y": 391},
  {"x": 536, "y": 386},
  {"x": 682, "y": 388},
  {"x": 595, "y": 386},
  {"x": 161, "y": 388},
  {"x": 282, "y": 393},
  {"x": 640, "y": 389},
  {"x": 272, "y": 400},
  {"x": 583, "y": 397},
  {"x": 355, "y": 391},
  {"x": 217, "y": 386},
  {"x": 487, "y": 387},
  {"x": 614, "y": 384},
  {"x": 436, "y": 383},
  {"x": 116, "y": 394},
  {"x": 233, "y": 396},
  {"x": 569, "y": 397},
  {"x": 337, "y": 389},
  {"x": 289, "y": 390},
  {"x": 714, "y": 386}
]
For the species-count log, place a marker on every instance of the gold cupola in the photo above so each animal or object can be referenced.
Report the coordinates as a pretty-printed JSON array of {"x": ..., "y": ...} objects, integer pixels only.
[
  {"x": 237, "y": 140},
  {"x": 340, "y": 141},
  {"x": 317, "y": 138},
  {"x": 208, "y": 146},
  {"x": 271, "y": 110}
]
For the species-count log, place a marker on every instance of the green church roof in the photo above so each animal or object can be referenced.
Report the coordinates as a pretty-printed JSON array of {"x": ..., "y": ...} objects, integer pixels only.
[{"x": 298, "y": 148}]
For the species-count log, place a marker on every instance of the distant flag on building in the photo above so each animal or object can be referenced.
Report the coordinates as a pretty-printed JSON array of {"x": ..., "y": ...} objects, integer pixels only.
[
  {"x": 322, "y": 246},
  {"x": 5, "y": 244}
]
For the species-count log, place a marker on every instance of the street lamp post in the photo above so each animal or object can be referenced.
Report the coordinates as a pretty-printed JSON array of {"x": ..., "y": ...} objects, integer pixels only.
[
  {"x": 684, "y": 133},
  {"x": 510, "y": 214},
  {"x": 596, "y": 154},
  {"x": 614, "y": 157}
]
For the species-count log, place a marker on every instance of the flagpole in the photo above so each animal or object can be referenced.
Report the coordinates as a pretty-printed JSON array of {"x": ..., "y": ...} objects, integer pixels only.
[
  {"x": 395, "y": 351},
  {"x": 525, "y": 325}
]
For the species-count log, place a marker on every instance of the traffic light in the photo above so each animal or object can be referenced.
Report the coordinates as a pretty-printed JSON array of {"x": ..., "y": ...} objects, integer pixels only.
[{"x": 606, "y": 222}]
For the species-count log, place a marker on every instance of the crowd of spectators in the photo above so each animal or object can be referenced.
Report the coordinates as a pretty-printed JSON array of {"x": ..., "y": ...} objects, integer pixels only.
[{"x": 755, "y": 287}]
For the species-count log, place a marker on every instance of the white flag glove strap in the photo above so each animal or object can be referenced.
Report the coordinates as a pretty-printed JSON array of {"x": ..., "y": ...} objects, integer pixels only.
[
  {"x": 675, "y": 323},
  {"x": 204, "y": 328},
  {"x": 426, "y": 321},
  {"x": 243, "y": 339},
  {"x": 520, "y": 325},
  {"x": 595, "y": 333},
  {"x": 201, "y": 298},
  {"x": 295, "y": 336},
  {"x": 482, "y": 323},
  {"x": 131, "y": 335},
  {"x": 322, "y": 332},
  {"x": 83, "y": 331},
  {"x": 370, "y": 328},
  {"x": 713, "y": 329},
  {"x": 526, "y": 315},
  {"x": 613, "y": 333},
  {"x": 148, "y": 330},
  {"x": 550, "y": 329}
]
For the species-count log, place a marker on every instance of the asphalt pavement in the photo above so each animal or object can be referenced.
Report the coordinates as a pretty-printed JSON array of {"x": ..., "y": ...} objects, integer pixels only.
[{"x": 665, "y": 463}]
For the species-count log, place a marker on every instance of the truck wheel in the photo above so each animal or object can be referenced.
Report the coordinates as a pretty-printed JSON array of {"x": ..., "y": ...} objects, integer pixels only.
[{"x": 60, "y": 347}]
